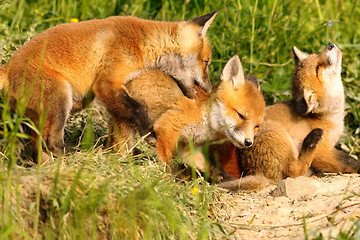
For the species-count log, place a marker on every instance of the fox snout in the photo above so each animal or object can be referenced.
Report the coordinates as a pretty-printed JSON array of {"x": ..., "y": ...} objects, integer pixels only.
[
  {"x": 248, "y": 142},
  {"x": 333, "y": 54},
  {"x": 244, "y": 143},
  {"x": 204, "y": 84},
  {"x": 330, "y": 46}
]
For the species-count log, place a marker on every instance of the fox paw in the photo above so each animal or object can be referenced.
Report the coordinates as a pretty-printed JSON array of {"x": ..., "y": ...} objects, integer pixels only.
[{"x": 313, "y": 138}]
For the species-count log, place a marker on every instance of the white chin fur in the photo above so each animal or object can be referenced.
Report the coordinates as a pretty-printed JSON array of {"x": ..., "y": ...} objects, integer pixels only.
[{"x": 334, "y": 57}]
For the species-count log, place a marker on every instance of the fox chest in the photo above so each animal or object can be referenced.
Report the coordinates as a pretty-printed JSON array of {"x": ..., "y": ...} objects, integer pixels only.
[{"x": 197, "y": 132}]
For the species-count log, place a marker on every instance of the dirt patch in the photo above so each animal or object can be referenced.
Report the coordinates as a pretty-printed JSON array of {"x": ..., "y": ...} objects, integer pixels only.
[{"x": 326, "y": 204}]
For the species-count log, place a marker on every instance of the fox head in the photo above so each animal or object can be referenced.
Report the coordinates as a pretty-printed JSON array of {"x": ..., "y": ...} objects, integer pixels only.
[
  {"x": 317, "y": 86},
  {"x": 238, "y": 107},
  {"x": 188, "y": 64}
]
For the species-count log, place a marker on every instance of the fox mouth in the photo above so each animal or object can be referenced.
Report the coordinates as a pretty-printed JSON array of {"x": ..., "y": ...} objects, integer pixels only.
[
  {"x": 240, "y": 145},
  {"x": 207, "y": 87}
]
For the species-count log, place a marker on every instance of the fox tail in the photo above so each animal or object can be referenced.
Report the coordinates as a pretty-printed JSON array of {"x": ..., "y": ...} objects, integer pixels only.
[{"x": 247, "y": 184}]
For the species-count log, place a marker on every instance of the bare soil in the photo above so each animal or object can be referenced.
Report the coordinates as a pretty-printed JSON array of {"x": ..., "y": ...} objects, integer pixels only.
[{"x": 321, "y": 205}]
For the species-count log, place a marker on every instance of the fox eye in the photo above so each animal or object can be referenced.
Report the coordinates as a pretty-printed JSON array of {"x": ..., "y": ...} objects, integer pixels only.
[
  {"x": 206, "y": 62},
  {"x": 256, "y": 128},
  {"x": 317, "y": 70},
  {"x": 241, "y": 116}
]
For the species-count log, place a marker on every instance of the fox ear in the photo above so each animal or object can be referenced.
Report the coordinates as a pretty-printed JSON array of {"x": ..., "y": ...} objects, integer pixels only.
[
  {"x": 298, "y": 55},
  {"x": 233, "y": 71},
  {"x": 204, "y": 22},
  {"x": 253, "y": 79}
]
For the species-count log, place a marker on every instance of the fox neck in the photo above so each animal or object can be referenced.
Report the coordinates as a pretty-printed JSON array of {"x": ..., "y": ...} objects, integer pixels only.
[
  {"x": 161, "y": 42},
  {"x": 331, "y": 107},
  {"x": 205, "y": 130},
  {"x": 335, "y": 108},
  {"x": 214, "y": 106}
]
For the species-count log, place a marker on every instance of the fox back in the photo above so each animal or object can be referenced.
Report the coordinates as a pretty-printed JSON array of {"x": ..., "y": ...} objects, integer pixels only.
[{"x": 56, "y": 71}]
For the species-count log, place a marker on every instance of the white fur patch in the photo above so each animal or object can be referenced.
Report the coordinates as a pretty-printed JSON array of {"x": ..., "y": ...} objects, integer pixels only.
[
  {"x": 335, "y": 92},
  {"x": 199, "y": 133},
  {"x": 222, "y": 123}
]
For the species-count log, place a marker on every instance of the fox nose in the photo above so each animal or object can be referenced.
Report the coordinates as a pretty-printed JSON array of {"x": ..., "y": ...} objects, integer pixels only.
[
  {"x": 248, "y": 142},
  {"x": 330, "y": 46}
]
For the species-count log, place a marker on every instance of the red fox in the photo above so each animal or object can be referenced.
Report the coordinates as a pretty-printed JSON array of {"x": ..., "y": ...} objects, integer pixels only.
[
  {"x": 57, "y": 70},
  {"x": 315, "y": 114},
  {"x": 234, "y": 111}
]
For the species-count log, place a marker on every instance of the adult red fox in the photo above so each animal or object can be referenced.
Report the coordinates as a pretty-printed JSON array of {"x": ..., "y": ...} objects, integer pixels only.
[
  {"x": 234, "y": 111},
  {"x": 56, "y": 71},
  {"x": 316, "y": 111}
]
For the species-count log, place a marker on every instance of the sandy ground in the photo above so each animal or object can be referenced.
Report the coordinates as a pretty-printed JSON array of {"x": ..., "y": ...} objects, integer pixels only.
[{"x": 327, "y": 204}]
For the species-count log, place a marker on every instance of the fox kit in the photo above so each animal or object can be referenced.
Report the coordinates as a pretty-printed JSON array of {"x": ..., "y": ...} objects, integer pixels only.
[
  {"x": 234, "y": 111},
  {"x": 301, "y": 132},
  {"x": 59, "y": 68}
]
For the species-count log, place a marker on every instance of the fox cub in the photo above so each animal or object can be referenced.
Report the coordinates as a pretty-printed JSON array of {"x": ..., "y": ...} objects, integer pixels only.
[
  {"x": 56, "y": 71},
  {"x": 299, "y": 133},
  {"x": 234, "y": 111}
]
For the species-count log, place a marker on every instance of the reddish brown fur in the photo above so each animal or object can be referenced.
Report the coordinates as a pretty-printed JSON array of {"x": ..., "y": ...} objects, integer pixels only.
[
  {"x": 279, "y": 151},
  {"x": 180, "y": 119},
  {"x": 61, "y": 66}
]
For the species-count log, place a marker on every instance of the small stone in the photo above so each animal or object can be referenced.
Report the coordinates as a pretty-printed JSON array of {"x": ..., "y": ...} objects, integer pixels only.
[{"x": 296, "y": 188}]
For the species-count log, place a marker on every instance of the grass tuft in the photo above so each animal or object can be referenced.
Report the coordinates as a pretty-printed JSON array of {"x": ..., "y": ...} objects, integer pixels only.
[{"x": 92, "y": 193}]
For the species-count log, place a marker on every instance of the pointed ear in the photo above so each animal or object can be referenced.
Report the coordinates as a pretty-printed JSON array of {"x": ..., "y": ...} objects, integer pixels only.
[
  {"x": 298, "y": 55},
  {"x": 204, "y": 22},
  {"x": 253, "y": 79},
  {"x": 234, "y": 72}
]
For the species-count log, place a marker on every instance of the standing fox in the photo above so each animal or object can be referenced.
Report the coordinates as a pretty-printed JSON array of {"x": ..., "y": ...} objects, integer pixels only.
[
  {"x": 234, "y": 111},
  {"x": 299, "y": 133},
  {"x": 61, "y": 67}
]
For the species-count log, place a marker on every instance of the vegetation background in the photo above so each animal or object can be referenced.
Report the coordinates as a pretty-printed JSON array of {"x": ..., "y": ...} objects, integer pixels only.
[{"x": 91, "y": 193}]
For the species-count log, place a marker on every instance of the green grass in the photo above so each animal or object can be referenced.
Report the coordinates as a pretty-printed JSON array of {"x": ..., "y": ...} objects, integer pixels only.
[
  {"x": 91, "y": 193},
  {"x": 95, "y": 194}
]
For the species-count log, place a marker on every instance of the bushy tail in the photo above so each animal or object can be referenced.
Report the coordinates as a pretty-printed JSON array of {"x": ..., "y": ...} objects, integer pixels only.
[
  {"x": 248, "y": 183},
  {"x": 3, "y": 77}
]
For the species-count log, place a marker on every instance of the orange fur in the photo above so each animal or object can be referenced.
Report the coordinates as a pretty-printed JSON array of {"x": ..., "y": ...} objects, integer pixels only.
[
  {"x": 178, "y": 119},
  {"x": 288, "y": 144},
  {"x": 54, "y": 72}
]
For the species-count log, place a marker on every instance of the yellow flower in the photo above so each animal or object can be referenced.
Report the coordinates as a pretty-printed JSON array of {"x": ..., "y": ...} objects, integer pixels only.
[
  {"x": 74, "y": 20},
  {"x": 195, "y": 190},
  {"x": 36, "y": 10}
]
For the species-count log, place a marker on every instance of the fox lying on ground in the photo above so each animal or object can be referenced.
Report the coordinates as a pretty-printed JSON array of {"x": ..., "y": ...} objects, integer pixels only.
[
  {"x": 315, "y": 114},
  {"x": 56, "y": 71},
  {"x": 234, "y": 111}
]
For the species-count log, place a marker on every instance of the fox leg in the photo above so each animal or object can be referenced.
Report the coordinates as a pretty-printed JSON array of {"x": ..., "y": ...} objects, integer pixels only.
[
  {"x": 51, "y": 117},
  {"x": 127, "y": 115},
  {"x": 167, "y": 134},
  {"x": 127, "y": 118},
  {"x": 298, "y": 167},
  {"x": 225, "y": 155},
  {"x": 167, "y": 140},
  {"x": 330, "y": 159},
  {"x": 122, "y": 135}
]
